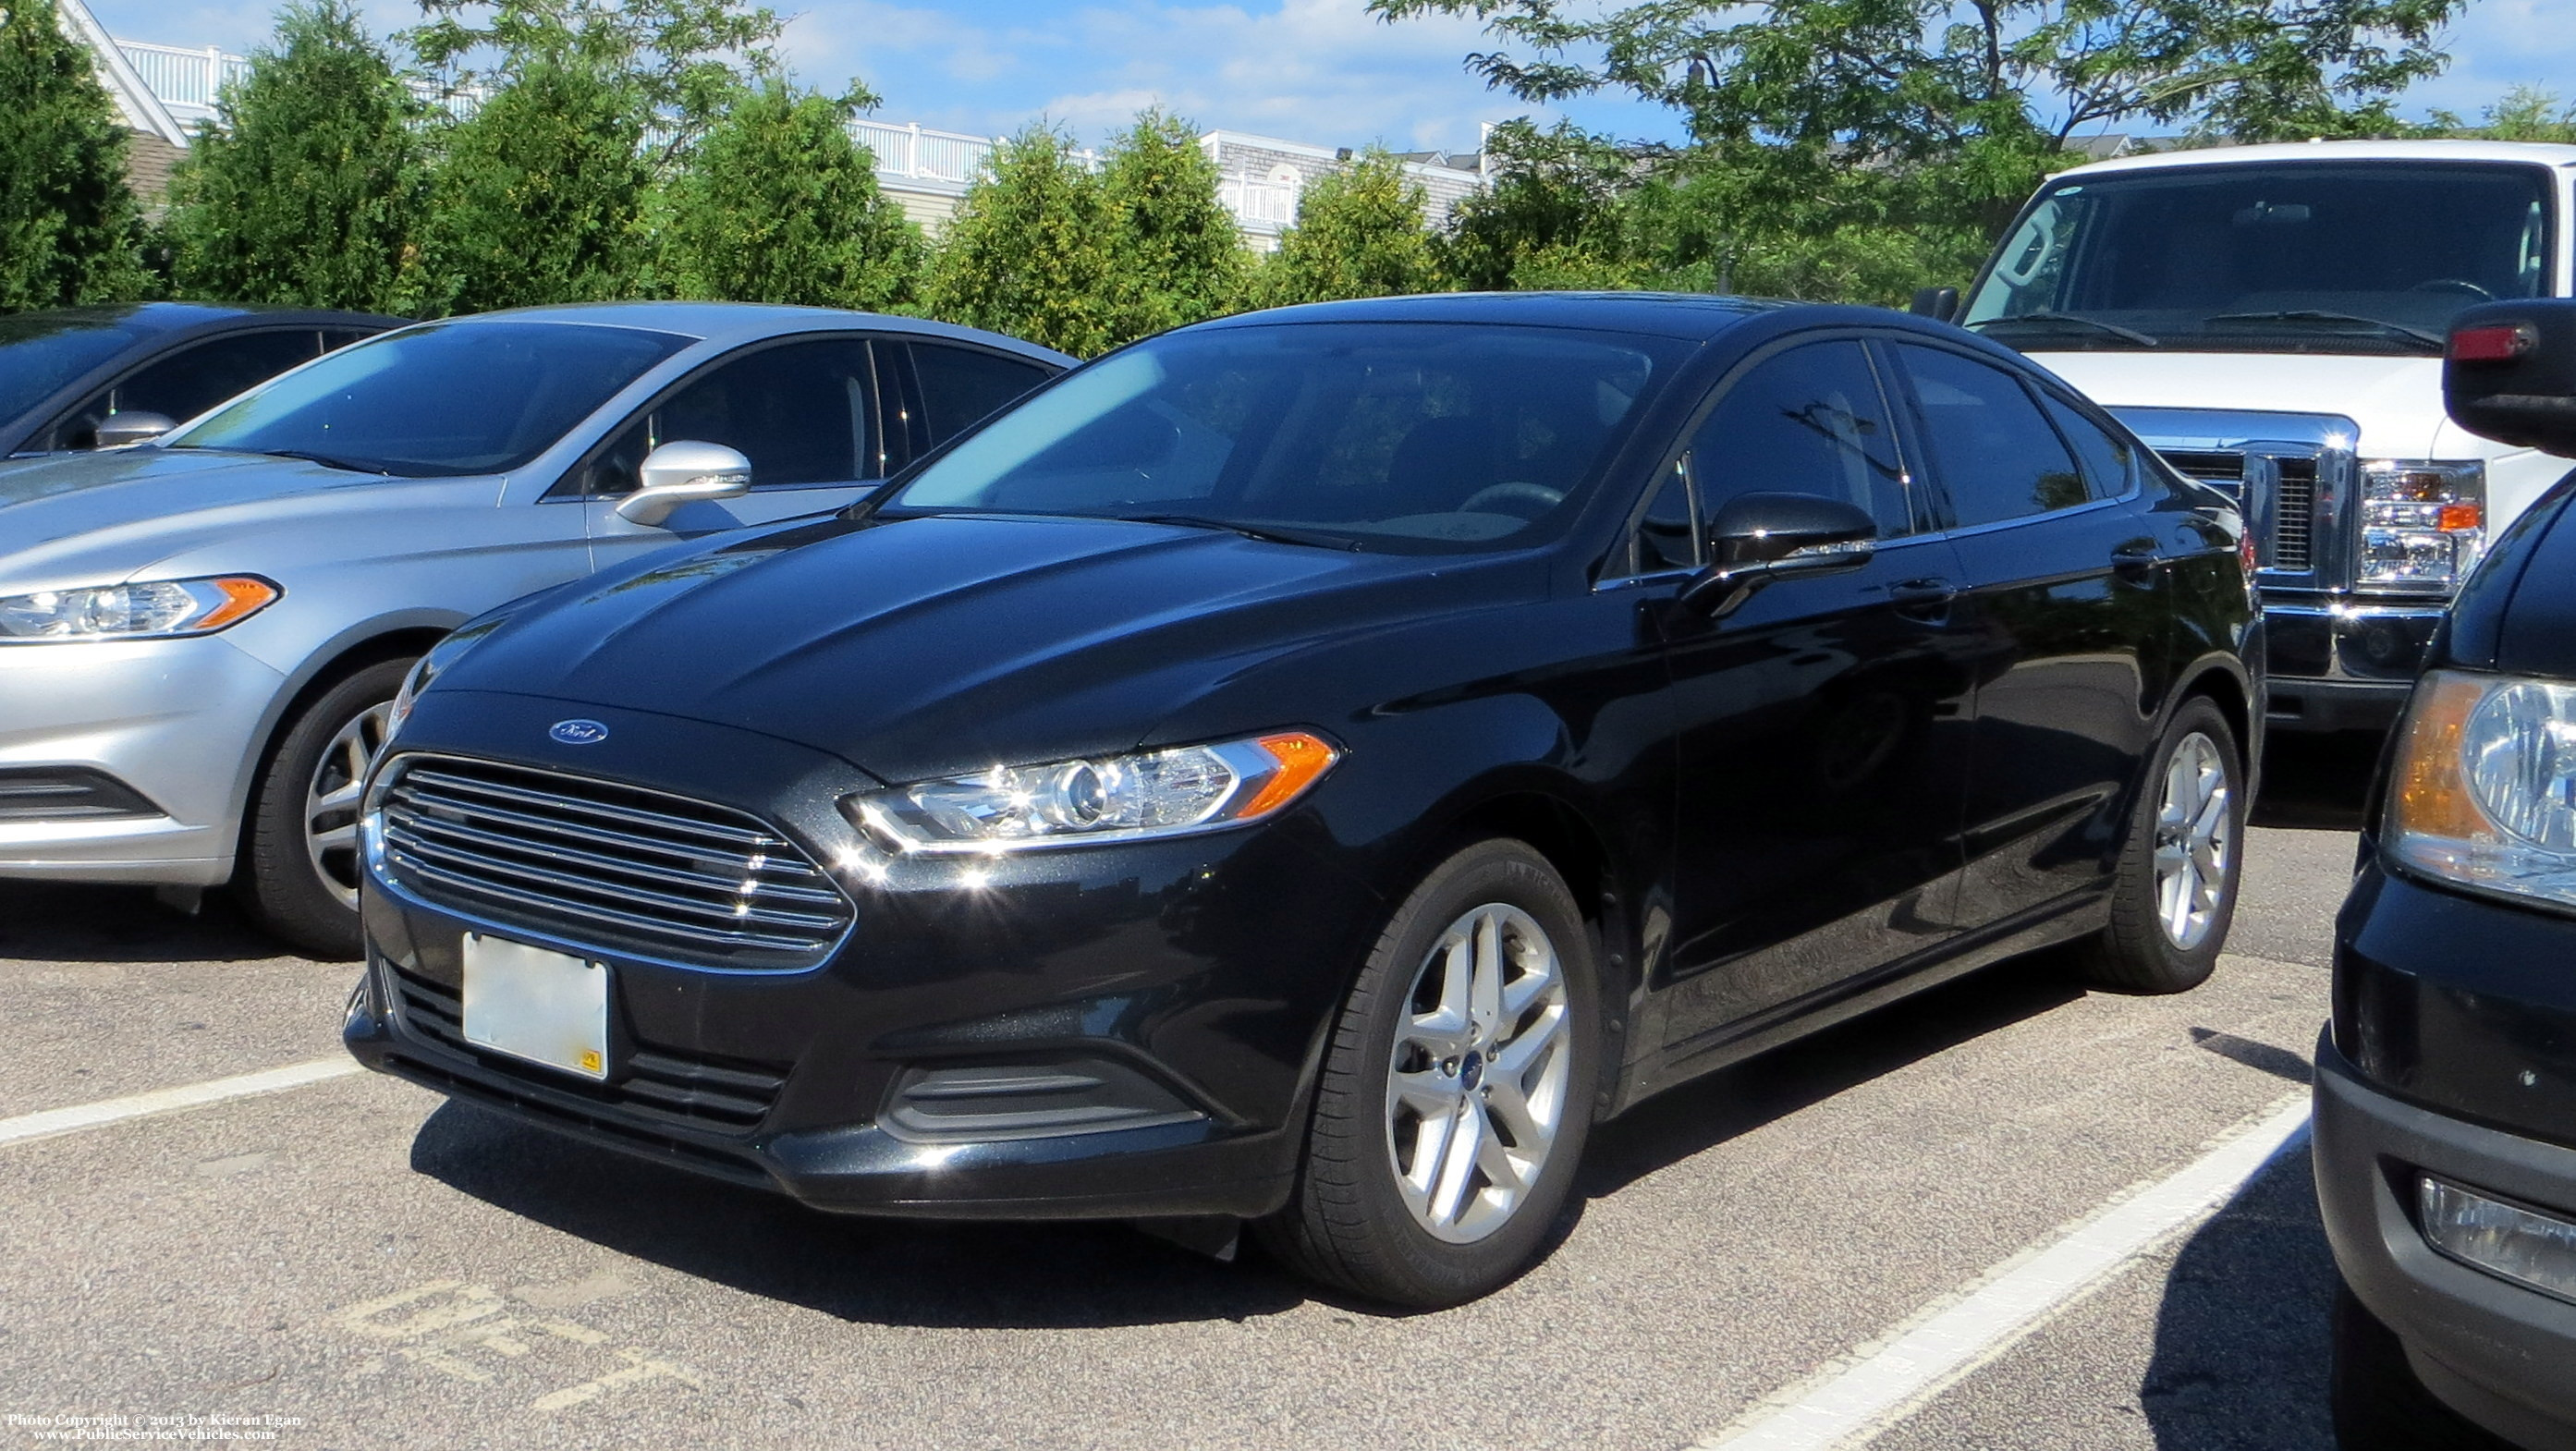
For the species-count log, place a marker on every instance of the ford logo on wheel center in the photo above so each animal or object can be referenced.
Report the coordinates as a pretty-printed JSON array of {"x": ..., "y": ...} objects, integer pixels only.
[{"x": 578, "y": 732}]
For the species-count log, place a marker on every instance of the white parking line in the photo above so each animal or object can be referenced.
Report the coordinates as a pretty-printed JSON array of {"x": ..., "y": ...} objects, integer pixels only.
[
  {"x": 1855, "y": 1398},
  {"x": 170, "y": 1100}
]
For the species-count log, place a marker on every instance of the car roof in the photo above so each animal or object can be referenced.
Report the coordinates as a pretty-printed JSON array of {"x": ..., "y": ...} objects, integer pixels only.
[
  {"x": 167, "y": 317},
  {"x": 1696, "y": 315},
  {"x": 2295, "y": 152},
  {"x": 728, "y": 323}
]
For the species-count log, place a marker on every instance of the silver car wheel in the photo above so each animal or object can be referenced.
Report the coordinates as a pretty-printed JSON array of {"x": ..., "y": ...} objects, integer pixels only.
[
  {"x": 331, "y": 800},
  {"x": 2195, "y": 841},
  {"x": 1476, "y": 1081}
]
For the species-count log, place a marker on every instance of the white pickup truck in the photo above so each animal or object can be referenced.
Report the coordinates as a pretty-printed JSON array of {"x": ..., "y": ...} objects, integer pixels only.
[{"x": 2271, "y": 319}]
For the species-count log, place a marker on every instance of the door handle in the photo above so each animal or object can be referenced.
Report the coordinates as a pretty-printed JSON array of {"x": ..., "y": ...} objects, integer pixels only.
[
  {"x": 1922, "y": 595},
  {"x": 2136, "y": 558}
]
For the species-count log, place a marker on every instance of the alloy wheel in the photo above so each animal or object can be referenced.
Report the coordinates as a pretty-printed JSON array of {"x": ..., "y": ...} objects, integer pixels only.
[
  {"x": 332, "y": 800},
  {"x": 2195, "y": 841},
  {"x": 1476, "y": 1084}
]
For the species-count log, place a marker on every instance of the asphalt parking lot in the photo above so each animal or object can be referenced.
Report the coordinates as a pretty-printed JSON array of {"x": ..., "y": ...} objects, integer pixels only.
[{"x": 353, "y": 1262}]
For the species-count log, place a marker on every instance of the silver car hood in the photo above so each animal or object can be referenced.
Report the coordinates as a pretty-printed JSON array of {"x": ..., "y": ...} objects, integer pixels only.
[{"x": 103, "y": 515}]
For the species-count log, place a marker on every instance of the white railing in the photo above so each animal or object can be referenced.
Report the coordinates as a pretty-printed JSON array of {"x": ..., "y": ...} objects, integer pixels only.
[
  {"x": 186, "y": 81},
  {"x": 916, "y": 153}
]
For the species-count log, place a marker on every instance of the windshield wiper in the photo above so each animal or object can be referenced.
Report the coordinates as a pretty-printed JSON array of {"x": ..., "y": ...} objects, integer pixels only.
[
  {"x": 2069, "y": 319},
  {"x": 1268, "y": 533},
  {"x": 2339, "y": 319}
]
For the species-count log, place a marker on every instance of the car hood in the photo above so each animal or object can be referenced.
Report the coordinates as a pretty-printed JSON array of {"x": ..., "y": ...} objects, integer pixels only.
[
  {"x": 929, "y": 646},
  {"x": 2397, "y": 401},
  {"x": 64, "y": 505}
]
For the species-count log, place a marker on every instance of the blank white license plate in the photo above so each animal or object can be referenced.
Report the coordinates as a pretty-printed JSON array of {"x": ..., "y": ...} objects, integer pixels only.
[{"x": 546, "y": 1007}]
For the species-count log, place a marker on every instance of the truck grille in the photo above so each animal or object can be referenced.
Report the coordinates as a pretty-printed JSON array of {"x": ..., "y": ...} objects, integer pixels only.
[
  {"x": 593, "y": 861},
  {"x": 2294, "y": 503}
]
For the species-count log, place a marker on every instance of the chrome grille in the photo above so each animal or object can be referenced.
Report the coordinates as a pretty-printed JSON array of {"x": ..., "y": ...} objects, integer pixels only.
[
  {"x": 618, "y": 866},
  {"x": 2294, "y": 515}
]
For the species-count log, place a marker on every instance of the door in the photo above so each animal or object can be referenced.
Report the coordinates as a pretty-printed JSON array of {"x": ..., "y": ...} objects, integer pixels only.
[
  {"x": 1825, "y": 726},
  {"x": 185, "y": 383},
  {"x": 939, "y": 390},
  {"x": 2068, "y": 601},
  {"x": 804, "y": 412}
]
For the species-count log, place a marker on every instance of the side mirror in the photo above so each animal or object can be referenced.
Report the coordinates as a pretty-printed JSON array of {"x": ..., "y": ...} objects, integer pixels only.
[
  {"x": 2509, "y": 374},
  {"x": 1940, "y": 304},
  {"x": 684, "y": 472},
  {"x": 1761, "y": 538},
  {"x": 121, "y": 430}
]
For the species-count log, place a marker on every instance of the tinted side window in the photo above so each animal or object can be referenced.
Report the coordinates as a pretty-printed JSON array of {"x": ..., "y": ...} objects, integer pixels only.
[
  {"x": 1809, "y": 421},
  {"x": 803, "y": 413},
  {"x": 960, "y": 387},
  {"x": 191, "y": 381},
  {"x": 2110, "y": 461},
  {"x": 1668, "y": 537},
  {"x": 1995, "y": 452}
]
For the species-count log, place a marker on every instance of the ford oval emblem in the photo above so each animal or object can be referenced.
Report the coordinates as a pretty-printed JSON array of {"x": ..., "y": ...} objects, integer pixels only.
[{"x": 578, "y": 732}]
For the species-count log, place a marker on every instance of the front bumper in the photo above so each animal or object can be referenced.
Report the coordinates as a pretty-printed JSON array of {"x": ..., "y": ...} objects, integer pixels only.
[
  {"x": 1188, "y": 981},
  {"x": 2492, "y": 1350},
  {"x": 2336, "y": 665},
  {"x": 2453, "y": 1054},
  {"x": 178, "y": 722}
]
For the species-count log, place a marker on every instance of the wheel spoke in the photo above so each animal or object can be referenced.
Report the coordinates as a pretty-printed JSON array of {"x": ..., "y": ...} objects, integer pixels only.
[
  {"x": 1503, "y": 1170},
  {"x": 1485, "y": 1005},
  {"x": 338, "y": 838},
  {"x": 1427, "y": 1093},
  {"x": 1458, "y": 1161}
]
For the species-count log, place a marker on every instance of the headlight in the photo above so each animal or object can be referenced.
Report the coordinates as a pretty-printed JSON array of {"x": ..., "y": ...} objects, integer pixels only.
[
  {"x": 156, "y": 610},
  {"x": 1121, "y": 798},
  {"x": 2484, "y": 791},
  {"x": 2423, "y": 525}
]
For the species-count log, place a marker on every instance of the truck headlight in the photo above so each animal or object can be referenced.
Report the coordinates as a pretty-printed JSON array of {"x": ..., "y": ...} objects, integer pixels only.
[
  {"x": 1118, "y": 798},
  {"x": 154, "y": 610},
  {"x": 2483, "y": 794},
  {"x": 2423, "y": 523}
]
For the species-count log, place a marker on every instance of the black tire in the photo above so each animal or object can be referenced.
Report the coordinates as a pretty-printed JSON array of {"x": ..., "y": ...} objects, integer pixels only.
[
  {"x": 2137, "y": 953},
  {"x": 280, "y": 883},
  {"x": 2378, "y": 1403},
  {"x": 1347, "y": 1224}
]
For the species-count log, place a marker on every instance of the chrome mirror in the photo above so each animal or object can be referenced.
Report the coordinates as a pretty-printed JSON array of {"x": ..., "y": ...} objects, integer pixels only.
[
  {"x": 121, "y": 430},
  {"x": 684, "y": 471}
]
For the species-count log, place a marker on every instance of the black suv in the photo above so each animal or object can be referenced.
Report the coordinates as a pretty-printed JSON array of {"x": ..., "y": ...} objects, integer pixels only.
[
  {"x": 2446, "y": 1082},
  {"x": 1308, "y": 768}
]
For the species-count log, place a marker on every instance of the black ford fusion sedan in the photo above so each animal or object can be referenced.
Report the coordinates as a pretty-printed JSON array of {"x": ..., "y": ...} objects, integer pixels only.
[
  {"x": 2446, "y": 1081},
  {"x": 1307, "y": 769}
]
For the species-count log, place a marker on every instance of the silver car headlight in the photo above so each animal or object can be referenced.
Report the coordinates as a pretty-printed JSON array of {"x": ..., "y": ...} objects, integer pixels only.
[
  {"x": 1118, "y": 798},
  {"x": 158, "y": 609},
  {"x": 2423, "y": 524},
  {"x": 2483, "y": 793}
]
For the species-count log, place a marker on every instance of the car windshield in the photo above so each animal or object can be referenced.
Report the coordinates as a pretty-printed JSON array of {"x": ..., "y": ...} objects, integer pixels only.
[
  {"x": 1403, "y": 436},
  {"x": 434, "y": 402},
  {"x": 41, "y": 352},
  {"x": 2358, "y": 257}
]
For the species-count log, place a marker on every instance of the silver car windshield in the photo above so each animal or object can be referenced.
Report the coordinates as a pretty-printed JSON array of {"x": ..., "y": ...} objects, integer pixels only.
[
  {"x": 438, "y": 401},
  {"x": 1438, "y": 437},
  {"x": 2362, "y": 257}
]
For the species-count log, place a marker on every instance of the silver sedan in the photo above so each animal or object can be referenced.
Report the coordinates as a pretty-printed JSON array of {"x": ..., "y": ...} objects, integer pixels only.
[{"x": 201, "y": 637}]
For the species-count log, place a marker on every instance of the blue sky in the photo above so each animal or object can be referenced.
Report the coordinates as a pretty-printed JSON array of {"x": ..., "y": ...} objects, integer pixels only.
[{"x": 1312, "y": 70}]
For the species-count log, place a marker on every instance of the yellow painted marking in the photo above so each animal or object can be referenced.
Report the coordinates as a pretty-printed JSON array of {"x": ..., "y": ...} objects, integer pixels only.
[{"x": 640, "y": 1366}]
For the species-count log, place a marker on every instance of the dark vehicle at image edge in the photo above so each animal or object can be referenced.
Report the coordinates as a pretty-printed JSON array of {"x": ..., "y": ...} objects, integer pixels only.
[
  {"x": 1308, "y": 767},
  {"x": 2446, "y": 1082},
  {"x": 66, "y": 372}
]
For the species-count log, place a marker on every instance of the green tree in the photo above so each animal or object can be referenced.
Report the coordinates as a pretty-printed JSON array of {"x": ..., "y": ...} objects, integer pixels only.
[
  {"x": 1554, "y": 215},
  {"x": 1359, "y": 233},
  {"x": 313, "y": 186},
  {"x": 1028, "y": 251},
  {"x": 539, "y": 196},
  {"x": 69, "y": 228},
  {"x": 1176, "y": 256},
  {"x": 778, "y": 204},
  {"x": 2527, "y": 113}
]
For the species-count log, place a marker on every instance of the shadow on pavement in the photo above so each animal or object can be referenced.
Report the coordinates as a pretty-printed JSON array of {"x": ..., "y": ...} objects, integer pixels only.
[
  {"x": 2317, "y": 782},
  {"x": 887, "y": 1272},
  {"x": 1672, "y": 1126},
  {"x": 65, "y": 922},
  {"x": 2241, "y": 1339}
]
